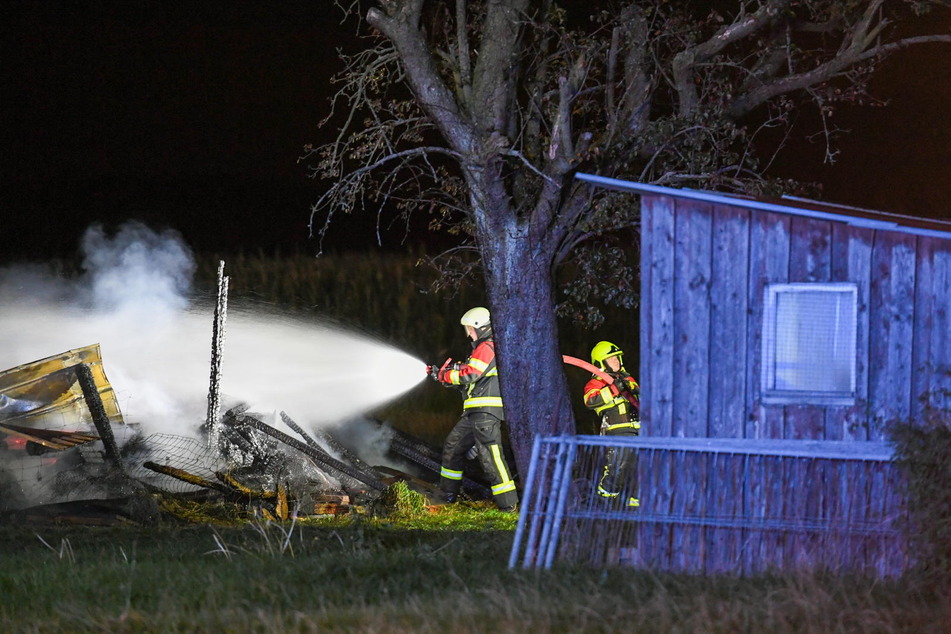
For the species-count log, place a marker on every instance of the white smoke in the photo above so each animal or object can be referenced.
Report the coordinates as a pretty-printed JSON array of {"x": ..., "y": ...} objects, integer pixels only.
[
  {"x": 133, "y": 300},
  {"x": 137, "y": 271}
]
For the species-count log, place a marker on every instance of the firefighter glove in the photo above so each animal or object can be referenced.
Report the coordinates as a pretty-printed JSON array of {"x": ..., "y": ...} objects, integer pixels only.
[
  {"x": 443, "y": 376},
  {"x": 472, "y": 453}
]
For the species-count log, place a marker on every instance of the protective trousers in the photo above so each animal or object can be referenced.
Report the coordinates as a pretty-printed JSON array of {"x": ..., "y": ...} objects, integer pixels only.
[
  {"x": 484, "y": 432},
  {"x": 619, "y": 472}
]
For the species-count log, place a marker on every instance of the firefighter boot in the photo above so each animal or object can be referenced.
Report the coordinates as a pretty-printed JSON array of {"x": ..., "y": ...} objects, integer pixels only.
[{"x": 449, "y": 497}]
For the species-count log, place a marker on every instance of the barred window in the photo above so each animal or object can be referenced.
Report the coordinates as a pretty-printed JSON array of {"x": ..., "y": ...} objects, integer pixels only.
[{"x": 809, "y": 343}]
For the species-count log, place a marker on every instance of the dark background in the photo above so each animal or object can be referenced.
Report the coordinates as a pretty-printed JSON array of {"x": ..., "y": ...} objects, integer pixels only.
[{"x": 195, "y": 117}]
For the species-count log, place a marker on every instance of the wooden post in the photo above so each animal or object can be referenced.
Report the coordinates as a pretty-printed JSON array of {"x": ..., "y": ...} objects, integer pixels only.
[
  {"x": 217, "y": 339},
  {"x": 99, "y": 417}
]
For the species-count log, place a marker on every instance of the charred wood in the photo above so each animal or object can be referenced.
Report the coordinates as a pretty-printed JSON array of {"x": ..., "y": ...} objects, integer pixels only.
[
  {"x": 319, "y": 456},
  {"x": 98, "y": 411},
  {"x": 334, "y": 445}
]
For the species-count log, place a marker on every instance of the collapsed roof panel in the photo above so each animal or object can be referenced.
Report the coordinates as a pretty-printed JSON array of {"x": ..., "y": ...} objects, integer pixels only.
[{"x": 46, "y": 393}]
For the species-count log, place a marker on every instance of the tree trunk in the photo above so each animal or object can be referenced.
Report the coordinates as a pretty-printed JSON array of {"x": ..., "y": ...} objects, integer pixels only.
[{"x": 521, "y": 297}]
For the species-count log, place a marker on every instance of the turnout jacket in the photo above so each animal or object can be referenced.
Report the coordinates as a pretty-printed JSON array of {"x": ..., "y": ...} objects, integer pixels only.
[
  {"x": 618, "y": 403},
  {"x": 479, "y": 377}
]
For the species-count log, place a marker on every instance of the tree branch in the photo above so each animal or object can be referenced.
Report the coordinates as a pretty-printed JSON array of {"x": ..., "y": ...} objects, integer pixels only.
[
  {"x": 400, "y": 24},
  {"x": 686, "y": 62},
  {"x": 493, "y": 73}
]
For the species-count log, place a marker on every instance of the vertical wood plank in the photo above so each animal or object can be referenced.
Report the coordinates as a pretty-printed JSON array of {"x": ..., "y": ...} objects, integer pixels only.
[
  {"x": 810, "y": 260},
  {"x": 940, "y": 388},
  {"x": 837, "y": 508},
  {"x": 810, "y": 251},
  {"x": 931, "y": 387},
  {"x": 729, "y": 322},
  {"x": 852, "y": 262},
  {"x": 899, "y": 549},
  {"x": 892, "y": 313},
  {"x": 645, "y": 333},
  {"x": 661, "y": 504},
  {"x": 769, "y": 263},
  {"x": 755, "y": 509},
  {"x": 923, "y": 325},
  {"x": 659, "y": 347},
  {"x": 805, "y": 422},
  {"x": 691, "y": 361},
  {"x": 696, "y": 470},
  {"x": 685, "y": 489},
  {"x": 878, "y": 513},
  {"x": 647, "y": 492},
  {"x": 779, "y": 507},
  {"x": 862, "y": 497}
]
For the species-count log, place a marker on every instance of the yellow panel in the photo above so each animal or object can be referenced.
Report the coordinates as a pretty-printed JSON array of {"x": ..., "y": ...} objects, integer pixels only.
[{"x": 47, "y": 393}]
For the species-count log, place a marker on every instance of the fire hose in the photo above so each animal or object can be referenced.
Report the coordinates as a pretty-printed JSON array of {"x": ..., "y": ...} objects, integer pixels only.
[
  {"x": 580, "y": 363},
  {"x": 584, "y": 365}
]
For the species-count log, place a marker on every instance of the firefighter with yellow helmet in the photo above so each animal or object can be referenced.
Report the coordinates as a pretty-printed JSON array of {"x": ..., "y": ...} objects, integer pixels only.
[
  {"x": 617, "y": 404},
  {"x": 479, "y": 430}
]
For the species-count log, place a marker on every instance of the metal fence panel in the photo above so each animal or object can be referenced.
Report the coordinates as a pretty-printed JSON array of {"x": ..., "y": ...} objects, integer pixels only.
[{"x": 714, "y": 506}]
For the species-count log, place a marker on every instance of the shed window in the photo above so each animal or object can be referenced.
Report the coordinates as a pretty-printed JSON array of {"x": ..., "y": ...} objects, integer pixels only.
[{"x": 809, "y": 343}]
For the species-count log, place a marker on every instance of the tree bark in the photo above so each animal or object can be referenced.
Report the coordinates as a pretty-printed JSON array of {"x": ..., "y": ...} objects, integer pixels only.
[{"x": 521, "y": 297}]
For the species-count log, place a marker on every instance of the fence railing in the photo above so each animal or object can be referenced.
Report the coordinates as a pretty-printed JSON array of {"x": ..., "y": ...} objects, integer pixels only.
[{"x": 713, "y": 506}]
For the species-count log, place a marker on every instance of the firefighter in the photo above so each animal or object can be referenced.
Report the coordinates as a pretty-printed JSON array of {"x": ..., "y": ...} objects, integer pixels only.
[
  {"x": 618, "y": 407},
  {"x": 479, "y": 430}
]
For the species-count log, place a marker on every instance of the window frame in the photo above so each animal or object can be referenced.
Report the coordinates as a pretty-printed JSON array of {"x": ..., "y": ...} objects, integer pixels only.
[{"x": 772, "y": 395}]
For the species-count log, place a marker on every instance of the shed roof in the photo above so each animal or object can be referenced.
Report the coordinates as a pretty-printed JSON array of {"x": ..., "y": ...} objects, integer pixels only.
[{"x": 788, "y": 205}]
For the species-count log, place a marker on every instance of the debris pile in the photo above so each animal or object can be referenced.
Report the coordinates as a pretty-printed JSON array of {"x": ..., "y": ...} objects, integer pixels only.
[{"x": 69, "y": 456}]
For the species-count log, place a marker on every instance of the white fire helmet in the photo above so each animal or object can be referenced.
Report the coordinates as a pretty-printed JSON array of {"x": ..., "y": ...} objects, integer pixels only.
[{"x": 477, "y": 317}]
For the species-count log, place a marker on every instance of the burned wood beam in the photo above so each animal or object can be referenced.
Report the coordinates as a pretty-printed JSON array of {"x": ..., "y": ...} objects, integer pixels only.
[
  {"x": 49, "y": 438},
  {"x": 232, "y": 482},
  {"x": 190, "y": 478},
  {"x": 297, "y": 428},
  {"x": 334, "y": 445},
  {"x": 217, "y": 341},
  {"x": 319, "y": 456},
  {"x": 411, "y": 442},
  {"x": 406, "y": 446},
  {"x": 98, "y": 411}
]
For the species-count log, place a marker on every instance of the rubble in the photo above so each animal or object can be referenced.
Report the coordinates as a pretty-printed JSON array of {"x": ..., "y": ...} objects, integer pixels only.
[{"x": 69, "y": 456}]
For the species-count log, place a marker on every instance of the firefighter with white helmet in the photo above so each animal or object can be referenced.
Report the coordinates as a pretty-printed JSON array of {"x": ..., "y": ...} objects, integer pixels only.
[
  {"x": 479, "y": 430},
  {"x": 617, "y": 404}
]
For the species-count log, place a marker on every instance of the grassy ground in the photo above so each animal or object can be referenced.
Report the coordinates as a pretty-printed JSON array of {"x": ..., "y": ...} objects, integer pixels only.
[{"x": 446, "y": 573}]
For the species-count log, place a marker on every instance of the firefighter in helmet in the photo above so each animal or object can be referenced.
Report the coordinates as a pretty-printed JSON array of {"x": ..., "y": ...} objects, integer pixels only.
[
  {"x": 617, "y": 404},
  {"x": 479, "y": 430}
]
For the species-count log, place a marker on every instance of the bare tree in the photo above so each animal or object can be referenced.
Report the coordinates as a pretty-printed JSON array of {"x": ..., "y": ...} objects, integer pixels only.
[{"x": 479, "y": 112}]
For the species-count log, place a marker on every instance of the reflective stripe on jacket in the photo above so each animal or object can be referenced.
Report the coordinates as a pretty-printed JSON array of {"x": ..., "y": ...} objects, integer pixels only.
[
  {"x": 480, "y": 376},
  {"x": 616, "y": 410}
]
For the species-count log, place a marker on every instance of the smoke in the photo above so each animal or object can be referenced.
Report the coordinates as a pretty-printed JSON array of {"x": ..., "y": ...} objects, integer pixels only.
[
  {"x": 138, "y": 270},
  {"x": 133, "y": 300}
]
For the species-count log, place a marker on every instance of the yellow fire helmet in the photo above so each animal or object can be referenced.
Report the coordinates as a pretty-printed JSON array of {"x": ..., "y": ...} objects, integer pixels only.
[{"x": 604, "y": 350}]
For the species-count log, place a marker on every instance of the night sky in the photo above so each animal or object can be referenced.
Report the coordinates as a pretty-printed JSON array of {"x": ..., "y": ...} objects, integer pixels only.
[{"x": 195, "y": 117}]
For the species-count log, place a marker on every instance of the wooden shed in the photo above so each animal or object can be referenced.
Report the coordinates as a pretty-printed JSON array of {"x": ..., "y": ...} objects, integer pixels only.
[
  {"x": 778, "y": 339},
  {"x": 788, "y": 318}
]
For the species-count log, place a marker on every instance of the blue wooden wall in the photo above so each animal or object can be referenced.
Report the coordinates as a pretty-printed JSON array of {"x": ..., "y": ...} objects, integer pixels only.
[{"x": 704, "y": 271}]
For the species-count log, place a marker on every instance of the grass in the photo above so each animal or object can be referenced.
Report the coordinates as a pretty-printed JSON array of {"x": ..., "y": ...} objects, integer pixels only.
[
  {"x": 402, "y": 567},
  {"x": 392, "y": 575}
]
